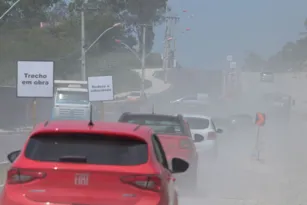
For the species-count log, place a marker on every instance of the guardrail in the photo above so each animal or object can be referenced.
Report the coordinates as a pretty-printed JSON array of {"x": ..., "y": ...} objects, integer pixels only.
[{"x": 4, "y": 166}]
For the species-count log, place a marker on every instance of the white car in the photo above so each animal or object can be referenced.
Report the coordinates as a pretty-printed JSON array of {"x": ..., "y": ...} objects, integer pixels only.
[
  {"x": 135, "y": 95},
  {"x": 204, "y": 126}
]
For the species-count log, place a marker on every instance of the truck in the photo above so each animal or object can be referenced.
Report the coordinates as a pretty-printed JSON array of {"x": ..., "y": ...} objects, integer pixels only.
[{"x": 71, "y": 100}]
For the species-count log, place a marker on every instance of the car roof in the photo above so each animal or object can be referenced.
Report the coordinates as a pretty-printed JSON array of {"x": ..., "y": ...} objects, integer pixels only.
[
  {"x": 276, "y": 94},
  {"x": 82, "y": 126},
  {"x": 81, "y": 90},
  {"x": 150, "y": 114},
  {"x": 197, "y": 116},
  {"x": 135, "y": 92}
]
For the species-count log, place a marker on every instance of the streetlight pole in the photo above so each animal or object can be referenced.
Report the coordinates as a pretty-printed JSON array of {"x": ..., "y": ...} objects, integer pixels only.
[
  {"x": 225, "y": 76},
  {"x": 85, "y": 50},
  {"x": 9, "y": 9},
  {"x": 143, "y": 61},
  {"x": 131, "y": 50},
  {"x": 97, "y": 39},
  {"x": 83, "y": 67}
]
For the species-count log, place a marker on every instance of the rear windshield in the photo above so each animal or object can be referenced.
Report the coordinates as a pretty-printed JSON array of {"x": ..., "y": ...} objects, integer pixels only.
[
  {"x": 197, "y": 123},
  {"x": 70, "y": 97},
  {"x": 160, "y": 124},
  {"x": 266, "y": 73},
  {"x": 135, "y": 94},
  {"x": 97, "y": 149}
]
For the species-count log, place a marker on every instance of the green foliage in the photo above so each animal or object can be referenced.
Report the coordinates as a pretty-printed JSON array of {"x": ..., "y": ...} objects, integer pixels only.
[
  {"x": 136, "y": 12},
  {"x": 292, "y": 56},
  {"x": 22, "y": 38}
]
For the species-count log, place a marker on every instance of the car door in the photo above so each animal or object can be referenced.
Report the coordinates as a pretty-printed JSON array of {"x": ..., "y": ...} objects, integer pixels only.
[{"x": 167, "y": 174}]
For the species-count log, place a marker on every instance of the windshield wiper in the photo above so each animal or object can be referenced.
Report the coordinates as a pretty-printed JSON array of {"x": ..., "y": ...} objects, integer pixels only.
[{"x": 73, "y": 159}]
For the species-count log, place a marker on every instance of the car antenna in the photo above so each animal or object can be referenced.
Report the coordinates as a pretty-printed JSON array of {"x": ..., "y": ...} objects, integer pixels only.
[
  {"x": 91, "y": 116},
  {"x": 153, "y": 109}
]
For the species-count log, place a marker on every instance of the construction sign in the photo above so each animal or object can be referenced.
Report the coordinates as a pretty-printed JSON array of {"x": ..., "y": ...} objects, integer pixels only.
[{"x": 260, "y": 119}]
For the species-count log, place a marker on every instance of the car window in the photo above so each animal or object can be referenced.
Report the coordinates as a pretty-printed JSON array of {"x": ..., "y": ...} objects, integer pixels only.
[
  {"x": 69, "y": 97},
  {"x": 159, "y": 151},
  {"x": 135, "y": 94},
  {"x": 197, "y": 123},
  {"x": 98, "y": 149},
  {"x": 189, "y": 98},
  {"x": 160, "y": 124},
  {"x": 187, "y": 128}
]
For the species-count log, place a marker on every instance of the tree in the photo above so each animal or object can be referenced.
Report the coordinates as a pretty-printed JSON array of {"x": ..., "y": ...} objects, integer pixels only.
[
  {"x": 137, "y": 12},
  {"x": 22, "y": 39},
  {"x": 254, "y": 62},
  {"x": 27, "y": 13}
]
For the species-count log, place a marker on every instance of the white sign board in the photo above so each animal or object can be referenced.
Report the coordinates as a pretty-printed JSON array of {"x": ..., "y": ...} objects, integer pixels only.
[
  {"x": 100, "y": 88},
  {"x": 35, "y": 79},
  {"x": 229, "y": 58},
  {"x": 233, "y": 65}
]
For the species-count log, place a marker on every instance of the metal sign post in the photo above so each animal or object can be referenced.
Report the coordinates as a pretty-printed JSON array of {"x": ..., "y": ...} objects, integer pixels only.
[
  {"x": 102, "y": 111},
  {"x": 260, "y": 122},
  {"x": 257, "y": 143},
  {"x": 34, "y": 120}
]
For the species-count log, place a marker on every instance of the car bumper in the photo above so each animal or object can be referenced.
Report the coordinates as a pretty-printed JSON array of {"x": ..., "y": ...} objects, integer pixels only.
[
  {"x": 13, "y": 198},
  {"x": 207, "y": 146}
]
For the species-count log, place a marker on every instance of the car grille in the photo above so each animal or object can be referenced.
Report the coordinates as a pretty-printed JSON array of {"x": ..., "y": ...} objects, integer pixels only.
[{"x": 71, "y": 113}]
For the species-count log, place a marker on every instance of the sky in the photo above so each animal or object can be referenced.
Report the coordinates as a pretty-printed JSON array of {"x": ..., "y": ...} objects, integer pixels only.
[{"x": 232, "y": 27}]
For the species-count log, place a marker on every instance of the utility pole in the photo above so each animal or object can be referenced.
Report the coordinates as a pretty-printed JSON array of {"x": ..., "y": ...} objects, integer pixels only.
[
  {"x": 169, "y": 36},
  {"x": 165, "y": 57},
  {"x": 83, "y": 45},
  {"x": 83, "y": 66},
  {"x": 174, "y": 21},
  {"x": 168, "y": 47},
  {"x": 143, "y": 61}
]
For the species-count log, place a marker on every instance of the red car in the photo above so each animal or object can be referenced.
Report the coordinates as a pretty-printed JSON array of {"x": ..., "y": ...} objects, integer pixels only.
[
  {"x": 175, "y": 136},
  {"x": 76, "y": 162}
]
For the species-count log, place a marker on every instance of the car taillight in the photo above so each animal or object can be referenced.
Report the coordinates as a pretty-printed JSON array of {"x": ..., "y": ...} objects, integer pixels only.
[
  {"x": 20, "y": 176},
  {"x": 211, "y": 136},
  {"x": 185, "y": 144},
  {"x": 148, "y": 182}
]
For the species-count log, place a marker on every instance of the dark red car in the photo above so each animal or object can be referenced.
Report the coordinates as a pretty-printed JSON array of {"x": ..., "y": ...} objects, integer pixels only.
[{"x": 175, "y": 136}]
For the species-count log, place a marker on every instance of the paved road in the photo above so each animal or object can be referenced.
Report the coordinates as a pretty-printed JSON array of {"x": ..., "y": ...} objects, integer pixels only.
[
  {"x": 239, "y": 178},
  {"x": 9, "y": 143}
]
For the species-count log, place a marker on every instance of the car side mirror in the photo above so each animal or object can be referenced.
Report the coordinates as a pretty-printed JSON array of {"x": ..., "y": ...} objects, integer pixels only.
[
  {"x": 13, "y": 155},
  {"x": 179, "y": 165},
  {"x": 198, "y": 138},
  {"x": 219, "y": 131}
]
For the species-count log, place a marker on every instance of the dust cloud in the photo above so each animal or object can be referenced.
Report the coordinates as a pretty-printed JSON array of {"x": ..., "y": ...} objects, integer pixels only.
[{"x": 239, "y": 176}]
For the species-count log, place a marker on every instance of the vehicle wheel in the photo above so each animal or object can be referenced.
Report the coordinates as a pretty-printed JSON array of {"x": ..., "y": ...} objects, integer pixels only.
[{"x": 192, "y": 179}]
